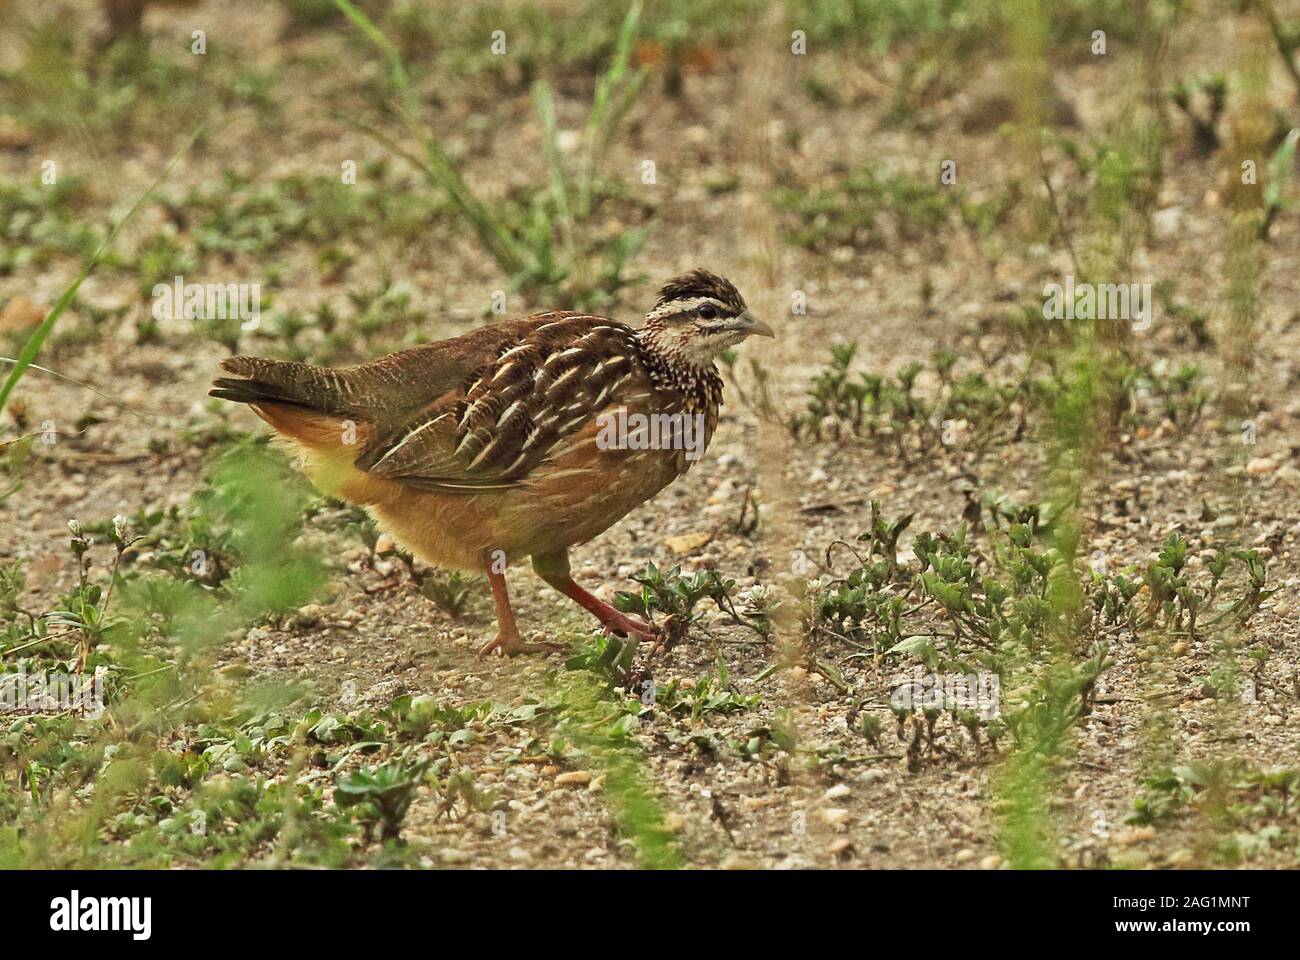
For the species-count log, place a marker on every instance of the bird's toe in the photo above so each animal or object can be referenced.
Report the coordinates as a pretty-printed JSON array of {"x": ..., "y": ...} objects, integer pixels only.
[{"x": 509, "y": 645}]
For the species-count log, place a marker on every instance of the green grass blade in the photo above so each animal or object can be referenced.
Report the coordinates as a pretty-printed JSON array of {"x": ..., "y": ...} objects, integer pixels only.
[
  {"x": 604, "y": 115},
  {"x": 438, "y": 168},
  {"x": 545, "y": 104},
  {"x": 34, "y": 343},
  {"x": 1280, "y": 170}
]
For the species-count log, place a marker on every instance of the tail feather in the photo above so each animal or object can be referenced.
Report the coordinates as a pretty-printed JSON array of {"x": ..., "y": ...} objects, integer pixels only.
[
  {"x": 254, "y": 392},
  {"x": 281, "y": 381},
  {"x": 300, "y": 401}
]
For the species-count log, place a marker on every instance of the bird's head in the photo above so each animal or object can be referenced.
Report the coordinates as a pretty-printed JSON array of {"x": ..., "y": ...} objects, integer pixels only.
[{"x": 698, "y": 315}]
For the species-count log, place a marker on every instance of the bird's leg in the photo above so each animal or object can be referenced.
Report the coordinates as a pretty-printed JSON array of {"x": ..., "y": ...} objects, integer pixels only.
[
  {"x": 507, "y": 639},
  {"x": 554, "y": 569}
]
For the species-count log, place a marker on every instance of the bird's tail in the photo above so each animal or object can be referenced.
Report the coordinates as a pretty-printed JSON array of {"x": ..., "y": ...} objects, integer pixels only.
[
  {"x": 257, "y": 380},
  {"x": 304, "y": 402}
]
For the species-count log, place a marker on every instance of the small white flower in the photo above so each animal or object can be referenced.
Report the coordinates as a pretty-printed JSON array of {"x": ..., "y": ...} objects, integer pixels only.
[
  {"x": 75, "y": 527},
  {"x": 119, "y": 528}
]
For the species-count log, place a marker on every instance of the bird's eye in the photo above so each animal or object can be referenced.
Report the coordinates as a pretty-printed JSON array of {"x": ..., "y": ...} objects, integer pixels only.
[{"x": 708, "y": 311}]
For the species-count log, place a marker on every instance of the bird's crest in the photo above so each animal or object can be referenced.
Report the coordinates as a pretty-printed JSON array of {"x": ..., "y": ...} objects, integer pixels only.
[{"x": 700, "y": 284}]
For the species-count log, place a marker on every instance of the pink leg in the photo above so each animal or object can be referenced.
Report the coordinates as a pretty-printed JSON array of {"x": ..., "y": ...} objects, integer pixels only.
[
  {"x": 507, "y": 640},
  {"x": 554, "y": 569}
]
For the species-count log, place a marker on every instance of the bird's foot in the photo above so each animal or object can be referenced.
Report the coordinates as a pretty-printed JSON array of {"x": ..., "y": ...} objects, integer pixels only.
[
  {"x": 509, "y": 645},
  {"x": 625, "y": 626}
]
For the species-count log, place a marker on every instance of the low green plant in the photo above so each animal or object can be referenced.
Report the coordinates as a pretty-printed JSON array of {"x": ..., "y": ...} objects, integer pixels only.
[
  {"x": 545, "y": 240},
  {"x": 1278, "y": 197},
  {"x": 970, "y": 411},
  {"x": 669, "y": 595},
  {"x": 974, "y": 412},
  {"x": 381, "y": 795},
  {"x": 871, "y": 607},
  {"x": 955, "y": 611},
  {"x": 34, "y": 342},
  {"x": 866, "y": 210},
  {"x": 707, "y": 695},
  {"x": 1286, "y": 36},
  {"x": 237, "y": 215},
  {"x": 39, "y": 222},
  {"x": 1202, "y": 99},
  {"x": 1253, "y": 809}
]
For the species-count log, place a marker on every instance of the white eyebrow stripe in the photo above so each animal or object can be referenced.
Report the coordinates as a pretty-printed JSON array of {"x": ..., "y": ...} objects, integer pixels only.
[
  {"x": 409, "y": 437},
  {"x": 674, "y": 307}
]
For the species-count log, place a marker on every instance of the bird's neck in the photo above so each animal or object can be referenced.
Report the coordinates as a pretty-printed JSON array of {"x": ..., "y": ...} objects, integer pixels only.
[
  {"x": 673, "y": 368},
  {"x": 668, "y": 347}
]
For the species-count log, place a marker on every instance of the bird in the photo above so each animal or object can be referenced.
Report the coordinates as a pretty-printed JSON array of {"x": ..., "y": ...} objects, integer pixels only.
[{"x": 518, "y": 439}]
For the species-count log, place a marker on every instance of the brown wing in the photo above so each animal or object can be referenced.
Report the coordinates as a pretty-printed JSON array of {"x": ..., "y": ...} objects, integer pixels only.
[
  {"x": 385, "y": 392},
  {"x": 540, "y": 387}
]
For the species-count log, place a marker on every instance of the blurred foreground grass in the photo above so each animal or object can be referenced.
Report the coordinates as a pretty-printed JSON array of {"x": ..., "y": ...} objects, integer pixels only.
[{"x": 193, "y": 765}]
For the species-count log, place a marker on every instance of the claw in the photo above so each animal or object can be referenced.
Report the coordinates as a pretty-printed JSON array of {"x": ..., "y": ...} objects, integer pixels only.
[
  {"x": 624, "y": 626},
  {"x": 512, "y": 646}
]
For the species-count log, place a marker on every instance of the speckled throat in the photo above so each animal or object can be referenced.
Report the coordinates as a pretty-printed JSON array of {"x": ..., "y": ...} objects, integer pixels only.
[{"x": 699, "y": 387}]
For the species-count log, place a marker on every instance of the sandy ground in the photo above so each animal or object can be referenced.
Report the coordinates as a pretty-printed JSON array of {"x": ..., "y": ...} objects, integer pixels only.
[{"x": 376, "y": 631}]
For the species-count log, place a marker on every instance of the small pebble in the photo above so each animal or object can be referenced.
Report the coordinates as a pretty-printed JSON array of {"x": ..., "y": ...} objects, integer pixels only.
[{"x": 836, "y": 817}]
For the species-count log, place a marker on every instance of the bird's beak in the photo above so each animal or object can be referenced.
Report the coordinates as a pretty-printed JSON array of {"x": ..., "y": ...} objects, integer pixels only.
[{"x": 751, "y": 326}]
